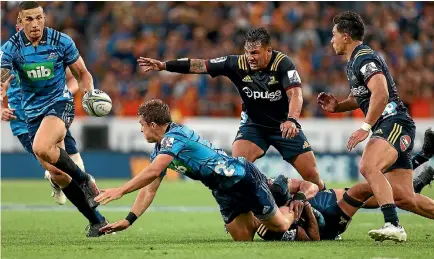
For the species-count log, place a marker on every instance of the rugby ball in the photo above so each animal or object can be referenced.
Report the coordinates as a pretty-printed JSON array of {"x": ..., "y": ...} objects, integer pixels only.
[{"x": 97, "y": 103}]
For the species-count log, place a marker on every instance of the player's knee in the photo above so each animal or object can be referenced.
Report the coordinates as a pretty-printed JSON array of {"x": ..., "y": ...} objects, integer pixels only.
[
  {"x": 366, "y": 169},
  {"x": 311, "y": 176}
]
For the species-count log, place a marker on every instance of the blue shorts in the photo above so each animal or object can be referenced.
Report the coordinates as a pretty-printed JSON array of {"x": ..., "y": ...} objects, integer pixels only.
[
  {"x": 70, "y": 144},
  {"x": 250, "y": 194},
  {"x": 336, "y": 221},
  {"x": 63, "y": 110},
  {"x": 266, "y": 137}
]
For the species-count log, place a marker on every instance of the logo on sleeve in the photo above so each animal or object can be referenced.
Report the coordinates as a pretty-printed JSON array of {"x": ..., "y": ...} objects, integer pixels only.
[
  {"x": 293, "y": 77},
  {"x": 369, "y": 69},
  {"x": 218, "y": 60},
  {"x": 167, "y": 142}
]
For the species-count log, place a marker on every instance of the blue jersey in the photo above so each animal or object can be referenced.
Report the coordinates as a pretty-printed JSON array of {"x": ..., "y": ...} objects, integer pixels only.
[
  {"x": 41, "y": 68},
  {"x": 198, "y": 159},
  {"x": 18, "y": 126}
]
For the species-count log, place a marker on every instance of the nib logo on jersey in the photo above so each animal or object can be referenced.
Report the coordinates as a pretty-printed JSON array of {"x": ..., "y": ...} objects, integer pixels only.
[
  {"x": 39, "y": 71},
  {"x": 272, "y": 96}
]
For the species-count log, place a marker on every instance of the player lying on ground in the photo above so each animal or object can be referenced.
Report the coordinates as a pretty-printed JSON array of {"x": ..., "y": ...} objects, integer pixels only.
[
  {"x": 239, "y": 188},
  {"x": 40, "y": 56},
  {"x": 270, "y": 88},
  {"x": 332, "y": 215},
  {"x": 389, "y": 148}
]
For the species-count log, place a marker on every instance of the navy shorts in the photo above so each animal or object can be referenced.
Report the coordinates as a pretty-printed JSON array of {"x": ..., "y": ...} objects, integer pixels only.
[
  {"x": 399, "y": 130},
  {"x": 336, "y": 221},
  {"x": 266, "y": 137},
  {"x": 70, "y": 144},
  {"x": 250, "y": 194},
  {"x": 63, "y": 110}
]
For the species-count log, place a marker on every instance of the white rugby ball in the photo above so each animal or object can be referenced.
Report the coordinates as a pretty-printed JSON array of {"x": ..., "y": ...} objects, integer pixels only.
[{"x": 97, "y": 103}]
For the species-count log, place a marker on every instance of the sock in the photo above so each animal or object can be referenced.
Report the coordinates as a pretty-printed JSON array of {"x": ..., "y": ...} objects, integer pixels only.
[
  {"x": 99, "y": 215},
  {"x": 76, "y": 196},
  {"x": 390, "y": 214},
  {"x": 268, "y": 235},
  {"x": 68, "y": 166},
  {"x": 418, "y": 160}
]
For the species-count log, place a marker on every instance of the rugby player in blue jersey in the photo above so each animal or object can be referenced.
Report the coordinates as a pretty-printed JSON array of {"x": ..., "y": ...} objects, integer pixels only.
[
  {"x": 239, "y": 188},
  {"x": 39, "y": 56}
]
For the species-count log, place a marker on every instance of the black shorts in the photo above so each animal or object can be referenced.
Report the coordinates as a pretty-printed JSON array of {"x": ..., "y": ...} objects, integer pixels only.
[
  {"x": 399, "y": 130},
  {"x": 250, "y": 194},
  {"x": 335, "y": 220},
  {"x": 266, "y": 137}
]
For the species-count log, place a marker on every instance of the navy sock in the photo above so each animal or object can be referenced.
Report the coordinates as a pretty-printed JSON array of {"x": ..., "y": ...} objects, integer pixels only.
[
  {"x": 390, "y": 214},
  {"x": 74, "y": 193},
  {"x": 418, "y": 160},
  {"x": 68, "y": 166}
]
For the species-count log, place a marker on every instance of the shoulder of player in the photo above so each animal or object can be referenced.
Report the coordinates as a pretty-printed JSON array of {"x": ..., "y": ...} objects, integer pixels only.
[
  {"x": 13, "y": 44},
  {"x": 58, "y": 38},
  {"x": 363, "y": 55},
  {"x": 282, "y": 62}
]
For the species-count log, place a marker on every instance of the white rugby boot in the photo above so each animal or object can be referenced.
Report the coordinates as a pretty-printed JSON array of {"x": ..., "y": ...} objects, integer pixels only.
[
  {"x": 389, "y": 232},
  {"x": 57, "y": 194}
]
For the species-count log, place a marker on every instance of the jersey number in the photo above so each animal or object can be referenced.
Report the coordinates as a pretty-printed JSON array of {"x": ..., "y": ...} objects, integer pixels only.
[{"x": 221, "y": 165}]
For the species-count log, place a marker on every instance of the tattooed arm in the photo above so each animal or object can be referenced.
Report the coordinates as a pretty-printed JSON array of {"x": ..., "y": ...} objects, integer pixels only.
[
  {"x": 198, "y": 66},
  {"x": 6, "y": 78}
]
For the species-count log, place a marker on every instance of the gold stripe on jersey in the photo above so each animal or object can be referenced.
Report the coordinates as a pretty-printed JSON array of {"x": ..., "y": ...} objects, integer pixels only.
[
  {"x": 363, "y": 52},
  {"x": 242, "y": 62},
  {"x": 277, "y": 60}
]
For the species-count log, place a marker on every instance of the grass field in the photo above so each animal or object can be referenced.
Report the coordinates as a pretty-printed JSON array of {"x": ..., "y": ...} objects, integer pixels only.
[{"x": 184, "y": 223}]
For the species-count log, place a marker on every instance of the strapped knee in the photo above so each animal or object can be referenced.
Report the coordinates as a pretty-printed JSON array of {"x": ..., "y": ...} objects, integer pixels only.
[{"x": 351, "y": 201}]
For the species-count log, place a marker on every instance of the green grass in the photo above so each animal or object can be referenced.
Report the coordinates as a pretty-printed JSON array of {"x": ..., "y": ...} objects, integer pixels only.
[{"x": 60, "y": 234}]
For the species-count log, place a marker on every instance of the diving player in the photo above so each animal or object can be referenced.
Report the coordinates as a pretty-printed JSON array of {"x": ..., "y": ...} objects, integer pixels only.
[
  {"x": 388, "y": 150},
  {"x": 40, "y": 56},
  {"x": 236, "y": 184},
  {"x": 270, "y": 87}
]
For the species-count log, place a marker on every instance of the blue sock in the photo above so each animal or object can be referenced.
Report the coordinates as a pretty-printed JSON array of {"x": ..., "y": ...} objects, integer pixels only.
[
  {"x": 68, "y": 166},
  {"x": 390, "y": 214}
]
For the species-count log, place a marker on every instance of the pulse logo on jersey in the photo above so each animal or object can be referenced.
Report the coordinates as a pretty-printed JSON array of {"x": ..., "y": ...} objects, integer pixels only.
[
  {"x": 272, "y": 96},
  {"x": 39, "y": 71}
]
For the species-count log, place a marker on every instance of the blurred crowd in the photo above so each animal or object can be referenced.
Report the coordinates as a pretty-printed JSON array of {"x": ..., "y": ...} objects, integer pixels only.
[{"x": 112, "y": 35}]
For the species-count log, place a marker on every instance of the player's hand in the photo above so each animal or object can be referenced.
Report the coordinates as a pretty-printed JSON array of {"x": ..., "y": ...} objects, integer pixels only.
[
  {"x": 150, "y": 64},
  {"x": 4, "y": 86},
  {"x": 296, "y": 206},
  {"x": 115, "y": 227},
  {"x": 327, "y": 102},
  {"x": 289, "y": 129},
  {"x": 357, "y": 137},
  {"x": 8, "y": 114},
  {"x": 108, "y": 195}
]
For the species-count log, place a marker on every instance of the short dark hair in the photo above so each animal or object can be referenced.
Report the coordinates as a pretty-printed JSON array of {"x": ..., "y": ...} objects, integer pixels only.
[
  {"x": 259, "y": 34},
  {"x": 26, "y": 5},
  {"x": 155, "y": 111},
  {"x": 351, "y": 23}
]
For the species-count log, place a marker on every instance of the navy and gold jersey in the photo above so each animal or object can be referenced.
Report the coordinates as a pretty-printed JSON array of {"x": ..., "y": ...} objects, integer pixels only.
[
  {"x": 41, "y": 68},
  {"x": 198, "y": 159},
  {"x": 263, "y": 92},
  {"x": 365, "y": 63}
]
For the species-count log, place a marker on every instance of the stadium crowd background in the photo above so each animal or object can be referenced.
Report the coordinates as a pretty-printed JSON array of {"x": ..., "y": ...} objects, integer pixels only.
[{"x": 112, "y": 35}]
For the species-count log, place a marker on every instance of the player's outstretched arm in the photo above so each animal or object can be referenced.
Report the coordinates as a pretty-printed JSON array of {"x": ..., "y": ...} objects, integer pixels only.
[
  {"x": 330, "y": 104},
  {"x": 143, "y": 201},
  {"x": 183, "y": 66},
  {"x": 145, "y": 177},
  {"x": 80, "y": 72}
]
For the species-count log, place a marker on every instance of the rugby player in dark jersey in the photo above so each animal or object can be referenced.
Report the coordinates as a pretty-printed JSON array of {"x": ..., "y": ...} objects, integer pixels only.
[
  {"x": 270, "y": 88},
  {"x": 386, "y": 161}
]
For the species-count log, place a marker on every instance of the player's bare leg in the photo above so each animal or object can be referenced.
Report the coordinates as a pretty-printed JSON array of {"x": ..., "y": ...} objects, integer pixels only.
[
  {"x": 246, "y": 149},
  {"x": 404, "y": 195},
  {"x": 305, "y": 164},
  {"x": 244, "y": 226}
]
